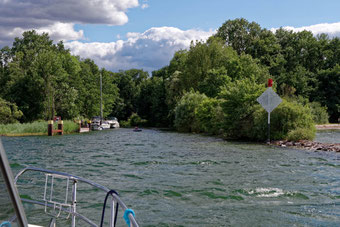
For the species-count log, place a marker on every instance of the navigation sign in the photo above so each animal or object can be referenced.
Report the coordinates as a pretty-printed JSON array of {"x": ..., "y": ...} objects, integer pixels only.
[{"x": 269, "y": 100}]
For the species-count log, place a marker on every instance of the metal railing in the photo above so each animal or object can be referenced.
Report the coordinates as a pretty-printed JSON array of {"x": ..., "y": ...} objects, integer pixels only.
[{"x": 70, "y": 208}]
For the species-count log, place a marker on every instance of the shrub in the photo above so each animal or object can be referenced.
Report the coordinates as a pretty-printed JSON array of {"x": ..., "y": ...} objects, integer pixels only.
[
  {"x": 287, "y": 117},
  {"x": 134, "y": 120},
  {"x": 320, "y": 115},
  {"x": 185, "y": 120},
  {"x": 36, "y": 127},
  {"x": 301, "y": 134},
  {"x": 238, "y": 103},
  {"x": 70, "y": 126},
  {"x": 209, "y": 116},
  {"x": 9, "y": 112}
]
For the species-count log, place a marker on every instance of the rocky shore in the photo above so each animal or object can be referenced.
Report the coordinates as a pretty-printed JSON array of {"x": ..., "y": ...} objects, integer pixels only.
[{"x": 309, "y": 145}]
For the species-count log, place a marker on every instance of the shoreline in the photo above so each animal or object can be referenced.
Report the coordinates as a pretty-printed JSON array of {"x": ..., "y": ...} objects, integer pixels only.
[
  {"x": 308, "y": 145},
  {"x": 328, "y": 127}
]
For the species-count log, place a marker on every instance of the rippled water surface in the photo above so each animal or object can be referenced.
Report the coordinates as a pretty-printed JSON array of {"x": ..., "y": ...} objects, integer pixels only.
[
  {"x": 172, "y": 179},
  {"x": 328, "y": 136}
]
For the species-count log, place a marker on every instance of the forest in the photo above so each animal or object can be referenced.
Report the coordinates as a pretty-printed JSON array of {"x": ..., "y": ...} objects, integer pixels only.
[{"x": 211, "y": 87}]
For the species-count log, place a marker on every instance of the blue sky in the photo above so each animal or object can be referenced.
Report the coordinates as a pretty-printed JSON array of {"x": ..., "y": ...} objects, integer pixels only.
[
  {"x": 123, "y": 34},
  {"x": 205, "y": 15}
]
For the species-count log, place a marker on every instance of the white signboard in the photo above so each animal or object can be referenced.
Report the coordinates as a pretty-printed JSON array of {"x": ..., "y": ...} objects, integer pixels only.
[{"x": 269, "y": 100}]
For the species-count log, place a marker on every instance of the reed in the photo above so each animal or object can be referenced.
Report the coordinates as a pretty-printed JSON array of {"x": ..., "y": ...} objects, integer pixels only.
[{"x": 34, "y": 128}]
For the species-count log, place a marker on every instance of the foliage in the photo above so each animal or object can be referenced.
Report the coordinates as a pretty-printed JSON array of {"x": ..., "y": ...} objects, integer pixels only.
[
  {"x": 34, "y": 128},
  {"x": 209, "y": 115},
  {"x": 185, "y": 120},
  {"x": 239, "y": 33},
  {"x": 287, "y": 117},
  {"x": 211, "y": 87},
  {"x": 238, "y": 101},
  {"x": 320, "y": 115},
  {"x": 301, "y": 134},
  {"x": 329, "y": 90},
  {"x": 9, "y": 112},
  {"x": 128, "y": 83},
  {"x": 151, "y": 103},
  {"x": 134, "y": 121}
]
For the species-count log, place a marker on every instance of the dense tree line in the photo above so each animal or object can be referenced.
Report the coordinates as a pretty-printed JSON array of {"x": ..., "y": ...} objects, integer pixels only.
[{"x": 211, "y": 87}]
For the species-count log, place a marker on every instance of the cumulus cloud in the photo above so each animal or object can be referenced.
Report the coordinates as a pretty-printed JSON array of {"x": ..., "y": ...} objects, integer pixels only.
[
  {"x": 20, "y": 15},
  {"x": 149, "y": 50},
  {"x": 332, "y": 29},
  {"x": 144, "y": 6}
]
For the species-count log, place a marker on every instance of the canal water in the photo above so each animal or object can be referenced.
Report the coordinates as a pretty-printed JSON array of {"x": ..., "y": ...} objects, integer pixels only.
[{"x": 174, "y": 179}]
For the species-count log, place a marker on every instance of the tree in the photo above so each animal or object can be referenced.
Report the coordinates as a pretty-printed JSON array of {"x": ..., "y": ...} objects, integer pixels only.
[
  {"x": 239, "y": 34},
  {"x": 151, "y": 103},
  {"x": 9, "y": 112},
  {"x": 328, "y": 91},
  {"x": 128, "y": 83},
  {"x": 238, "y": 103},
  {"x": 185, "y": 120}
]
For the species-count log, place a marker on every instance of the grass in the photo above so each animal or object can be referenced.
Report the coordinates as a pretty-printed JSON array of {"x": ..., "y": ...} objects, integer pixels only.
[{"x": 34, "y": 128}]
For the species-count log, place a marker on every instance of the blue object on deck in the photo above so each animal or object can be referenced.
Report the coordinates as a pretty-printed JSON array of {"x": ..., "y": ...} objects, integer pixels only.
[
  {"x": 126, "y": 216},
  {"x": 5, "y": 224}
]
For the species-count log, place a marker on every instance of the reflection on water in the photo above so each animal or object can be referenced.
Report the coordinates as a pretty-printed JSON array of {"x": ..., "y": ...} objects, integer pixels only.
[{"x": 172, "y": 179}]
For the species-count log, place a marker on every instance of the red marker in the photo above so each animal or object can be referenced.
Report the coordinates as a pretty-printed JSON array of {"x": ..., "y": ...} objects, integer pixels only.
[{"x": 270, "y": 82}]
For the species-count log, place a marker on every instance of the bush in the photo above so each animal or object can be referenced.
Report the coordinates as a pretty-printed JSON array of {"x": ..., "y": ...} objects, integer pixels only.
[
  {"x": 9, "y": 112},
  {"x": 287, "y": 117},
  {"x": 320, "y": 114},
  {"x": 70, "y": 126},
  {"x": 185, "y": 120},
  {"x": 238, "y": 103},
  {"x": 209, "y": 116},
  {"x": 134, "y": 120},
  {"x": 301, "y": 134},
  {"x": 36, "y": 127}
]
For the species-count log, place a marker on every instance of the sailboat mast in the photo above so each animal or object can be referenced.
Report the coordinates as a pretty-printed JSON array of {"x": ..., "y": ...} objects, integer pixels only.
[{"x": 101, "y": 98}]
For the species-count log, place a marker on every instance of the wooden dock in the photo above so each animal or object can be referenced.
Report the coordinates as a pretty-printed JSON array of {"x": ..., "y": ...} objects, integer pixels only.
[{"x": 81, "y": 130}]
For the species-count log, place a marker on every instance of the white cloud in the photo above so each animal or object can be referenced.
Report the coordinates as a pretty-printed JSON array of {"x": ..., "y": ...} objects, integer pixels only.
[
  {"x": 332, "y": 29},
  {"x": 144, "y": 6},
  {"x": 62, "y": 31},
  {"x": 149, "y": 50},
  {"x": 59, "y": 16}
]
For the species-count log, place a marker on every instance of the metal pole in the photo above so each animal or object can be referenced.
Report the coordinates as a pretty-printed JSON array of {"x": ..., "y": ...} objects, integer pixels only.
[
  {"x": 112, "y": 215},
  {"x": 101, "y": 99},
  {"x": 268, "y": 141},
  {"x": 74, "y": 202}
]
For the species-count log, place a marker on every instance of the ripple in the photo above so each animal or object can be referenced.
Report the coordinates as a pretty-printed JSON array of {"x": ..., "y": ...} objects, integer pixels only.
[
  {"x": 212, "y": 195},
  {"x": 132, "y": 176},
  {"x": 171, "y": 193},
  {"x": 209, "y": 182}
]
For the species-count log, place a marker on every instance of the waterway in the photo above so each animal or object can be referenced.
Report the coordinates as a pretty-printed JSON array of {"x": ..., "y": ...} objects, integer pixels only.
[{"x": 174, "y": 179}]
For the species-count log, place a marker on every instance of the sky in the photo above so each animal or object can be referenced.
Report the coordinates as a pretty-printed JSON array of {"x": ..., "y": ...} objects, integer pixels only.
[{"x": 145, "y": 34}]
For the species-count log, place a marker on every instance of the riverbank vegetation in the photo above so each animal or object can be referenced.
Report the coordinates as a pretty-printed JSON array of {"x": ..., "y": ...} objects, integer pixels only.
[
  {"x": 211, "y": 87},
  {"x": 35, "y": 128}
]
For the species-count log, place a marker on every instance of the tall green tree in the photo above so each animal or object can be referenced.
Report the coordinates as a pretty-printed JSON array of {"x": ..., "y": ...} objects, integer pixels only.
[
  {"x": 239, "y": 34},
  {"x": 329, "y": 91}
]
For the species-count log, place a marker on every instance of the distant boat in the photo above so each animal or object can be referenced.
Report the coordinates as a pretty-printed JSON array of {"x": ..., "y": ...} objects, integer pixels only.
[
  {"x": 113, "y": 121},
  {"x": 136, "y": 129}
]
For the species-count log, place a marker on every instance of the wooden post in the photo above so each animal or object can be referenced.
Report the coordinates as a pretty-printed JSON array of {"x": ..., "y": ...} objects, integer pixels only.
[
  {"x": 60, "y": 128},
  {"x": 79, "y": 123},
  {"x": 50, "y": 128}
]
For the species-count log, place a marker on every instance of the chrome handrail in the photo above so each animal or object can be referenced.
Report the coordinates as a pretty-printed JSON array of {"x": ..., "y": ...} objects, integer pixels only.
[{"x": 115, "y": 197}]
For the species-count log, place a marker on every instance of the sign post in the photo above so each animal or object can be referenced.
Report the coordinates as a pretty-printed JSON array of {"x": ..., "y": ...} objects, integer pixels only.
[{"x": 269, "y": 100}]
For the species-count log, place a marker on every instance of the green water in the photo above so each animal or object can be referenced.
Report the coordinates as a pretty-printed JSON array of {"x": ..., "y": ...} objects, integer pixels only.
[{"x": 172, "y": 179}]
